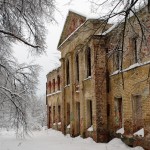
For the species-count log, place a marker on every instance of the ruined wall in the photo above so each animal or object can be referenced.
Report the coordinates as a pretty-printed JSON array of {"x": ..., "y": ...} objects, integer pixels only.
[
  {"x": 81, "y": 94},
  {"x": 131, "y": 85},
  {"x": 54, "y": 100}
]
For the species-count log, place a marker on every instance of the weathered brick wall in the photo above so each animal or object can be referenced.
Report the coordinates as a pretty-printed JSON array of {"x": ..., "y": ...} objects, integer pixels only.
[
  {"x": 100, "y": 91},
  {"x": 134, "y": 80},
  {"x": 81, "y": 91},
  {"x": 54, "y": 98}
]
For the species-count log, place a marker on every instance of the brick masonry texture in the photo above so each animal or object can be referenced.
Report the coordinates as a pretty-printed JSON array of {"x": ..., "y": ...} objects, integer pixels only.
[{"x": 110, "y": 96}]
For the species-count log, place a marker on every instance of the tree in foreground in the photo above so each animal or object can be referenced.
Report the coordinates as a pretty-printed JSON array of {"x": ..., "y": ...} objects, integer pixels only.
[{"x": 21, "y": 21}]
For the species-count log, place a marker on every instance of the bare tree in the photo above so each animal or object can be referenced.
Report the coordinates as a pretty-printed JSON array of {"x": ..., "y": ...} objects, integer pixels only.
[
  {"x": 23, "y": 20},
  {"x": 17, "y": 85}
]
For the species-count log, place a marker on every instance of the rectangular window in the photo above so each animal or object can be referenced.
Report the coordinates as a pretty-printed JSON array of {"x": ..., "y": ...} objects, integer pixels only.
[
  {"x": 88, "y": 61},
  {"x": 53, "y": 114},
  {"x": 49, "y": 119},
  {"x": 68, "y": 113},
  {"x": 53, "y": 85},
  {"x": 137, "y": 109},
  {"x": 134, "y": 49},
  {"x": 89, "y": 114},
  {"x": 67, "y": 72},
  {"x": 118, "y": 112},
  {"x": 117, "y": 58},
  {"x": 78, "y": 116},
  {"x": 59, "y": 113}
]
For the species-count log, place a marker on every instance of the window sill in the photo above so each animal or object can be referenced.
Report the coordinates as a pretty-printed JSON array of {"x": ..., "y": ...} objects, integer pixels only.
[
  {"x": 67, "y": 85},
  {"x": 89, "y": 77},
  {"x": 53, "y": 93},
  {"x": 130, "y": 67},
  {"x": 90, "y": 129}
]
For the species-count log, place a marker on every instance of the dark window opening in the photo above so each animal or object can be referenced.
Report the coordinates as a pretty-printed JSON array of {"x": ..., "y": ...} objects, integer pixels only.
[
  {"x": 88, "y": 61},
  {"x": 89, "y": 114},
  {"x": 78, "y": 116},
  {"x": 118, "y": 58},
  {"x": 67, "y": 73},
  {"x": 49, "y": 85},
  {"x": 58, "y": 82},
  {"x": 59, "y": 113},
  {"x": 118, "y": 112},
  {"x": 77, "y": 67},
  {"x": 137, "y": 111},
  {"x": 53, "y": 114},
  {"x": 53, "y": 85},
  {"x": 49, "y": 118},
  {"x": 68, "y": 113},
  {"x": 134, "y": 48}
]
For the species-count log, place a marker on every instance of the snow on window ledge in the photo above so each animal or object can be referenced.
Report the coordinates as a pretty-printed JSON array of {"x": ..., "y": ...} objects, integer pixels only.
[
  {"x": 59, "y": 123},
  {"x": 90, "y": 128},
  {"x": 68, "y": 127},
  {"x": 139, "y": 132},
  {"x": 54, "y": 93},
  {"x": 89, "y": 77},
  {"x": 121, "y": 130},
  {"x": 67, "y": 85},
  {"x": 130, "y": 67}
]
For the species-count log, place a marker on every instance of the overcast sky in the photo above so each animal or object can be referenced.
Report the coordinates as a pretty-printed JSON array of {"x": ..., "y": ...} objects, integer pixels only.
[{"x": 51, "y": 59}]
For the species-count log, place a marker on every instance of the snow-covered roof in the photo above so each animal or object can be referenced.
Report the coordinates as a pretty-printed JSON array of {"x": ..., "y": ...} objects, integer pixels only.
[
  {"x": 88, "y": 17},
  {"x": 137, "y": 9},
  {"x": 55, "y": 68},
  {"x": 110, "y": 29}
]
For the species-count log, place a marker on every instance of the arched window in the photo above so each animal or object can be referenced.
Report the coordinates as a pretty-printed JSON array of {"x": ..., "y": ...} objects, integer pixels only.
[
  {"x": 88, "y": 61},
  {"x": 58, "y": 82},
  {"x": 77, "y": 67},
  {"x": 67, "y": 73},
  {"x": 53, "y": 85}
]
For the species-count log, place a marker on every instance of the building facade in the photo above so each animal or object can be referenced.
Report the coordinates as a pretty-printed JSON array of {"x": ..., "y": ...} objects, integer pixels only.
[{"x": 100, "y": 88}]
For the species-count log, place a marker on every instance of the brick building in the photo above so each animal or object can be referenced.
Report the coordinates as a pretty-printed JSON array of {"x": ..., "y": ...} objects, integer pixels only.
[{"x": 99, "y": 88}]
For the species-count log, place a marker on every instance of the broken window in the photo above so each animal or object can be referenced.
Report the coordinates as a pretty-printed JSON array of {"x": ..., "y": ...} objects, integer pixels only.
[
  {"x": 77, "y": 67},
  {"x": 49, "y": 119},
  {"x": 67, "y": 73},
  {"x": 68, "y": 113},
  {"x": 58, "y": 82},
  {"x": 118, "y": 112},
  {"x": 88, "y": 61},
  {"x": 137, "y": 110},
  {"x": 59, "y": 113},
  {"x": 53, "y": 114},
  {"x": 53, "y": 85},
  {"x": 89, "y": 114},
  {"x": 118, "y": 58},
  {"x": 134, "y": 49},
  {"x": 49, "y": 85},
  {"x": 78, "y": 116}
]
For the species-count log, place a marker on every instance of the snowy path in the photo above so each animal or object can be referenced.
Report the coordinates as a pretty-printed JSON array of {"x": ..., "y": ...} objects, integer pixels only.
[{"x": 54, "y": 140}]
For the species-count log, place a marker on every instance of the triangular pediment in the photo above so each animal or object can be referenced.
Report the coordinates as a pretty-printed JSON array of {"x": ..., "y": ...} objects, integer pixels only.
[{"x": 73, "y": 21}]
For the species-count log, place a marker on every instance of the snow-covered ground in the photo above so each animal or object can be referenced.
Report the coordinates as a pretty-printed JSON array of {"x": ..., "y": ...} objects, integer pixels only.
[{"x": 55, "y": 140}]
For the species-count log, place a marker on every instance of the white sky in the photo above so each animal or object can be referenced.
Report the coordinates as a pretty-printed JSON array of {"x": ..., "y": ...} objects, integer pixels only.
[{"x": 50, "y": 60}]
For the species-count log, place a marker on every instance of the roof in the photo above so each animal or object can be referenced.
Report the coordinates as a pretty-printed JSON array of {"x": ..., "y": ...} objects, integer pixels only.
[{"x": 73, "y": 21}]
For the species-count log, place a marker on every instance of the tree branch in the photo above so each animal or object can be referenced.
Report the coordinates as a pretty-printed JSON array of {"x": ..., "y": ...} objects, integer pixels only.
[{"x": 20, "y": 39}]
